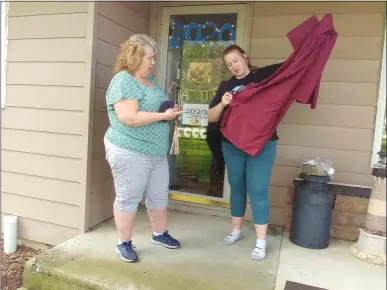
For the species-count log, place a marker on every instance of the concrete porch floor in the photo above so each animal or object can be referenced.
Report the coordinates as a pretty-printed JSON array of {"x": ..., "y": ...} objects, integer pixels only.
[
  {"x": 89, "y": 261},
  {"x": 333, "y": 268}
]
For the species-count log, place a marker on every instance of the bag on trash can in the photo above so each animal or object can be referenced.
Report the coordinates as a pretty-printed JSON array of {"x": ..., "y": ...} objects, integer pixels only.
[{"x": 318, "y": 167}]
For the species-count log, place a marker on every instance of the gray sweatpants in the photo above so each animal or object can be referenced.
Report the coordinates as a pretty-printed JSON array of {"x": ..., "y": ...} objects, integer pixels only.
[{"x": 134, "y": 175}]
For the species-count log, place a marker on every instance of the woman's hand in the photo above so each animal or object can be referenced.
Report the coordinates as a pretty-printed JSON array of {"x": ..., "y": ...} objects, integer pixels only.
[
  {"x": 226, "y": 99},
  {"x": 215, "y": 112},
  {"x": 171, "y": 114}
]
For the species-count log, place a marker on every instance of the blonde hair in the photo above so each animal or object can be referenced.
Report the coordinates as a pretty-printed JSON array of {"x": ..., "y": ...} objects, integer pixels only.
[{"x": 133, "y": 51}]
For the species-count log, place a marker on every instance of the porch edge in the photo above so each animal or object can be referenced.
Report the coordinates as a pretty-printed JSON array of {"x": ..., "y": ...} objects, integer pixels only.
[{"x": 38, "y": 277}]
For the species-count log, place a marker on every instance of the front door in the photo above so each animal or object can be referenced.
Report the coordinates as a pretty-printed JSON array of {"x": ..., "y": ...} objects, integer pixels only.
[{"x": 190, "y": 69}]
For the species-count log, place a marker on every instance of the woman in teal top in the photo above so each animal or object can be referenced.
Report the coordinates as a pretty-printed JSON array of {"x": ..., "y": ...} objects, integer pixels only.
[{"x": 137, "y": 144}]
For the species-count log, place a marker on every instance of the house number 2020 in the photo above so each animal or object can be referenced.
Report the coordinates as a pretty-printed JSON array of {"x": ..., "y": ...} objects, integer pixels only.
[{"x": 184, "y": 32}]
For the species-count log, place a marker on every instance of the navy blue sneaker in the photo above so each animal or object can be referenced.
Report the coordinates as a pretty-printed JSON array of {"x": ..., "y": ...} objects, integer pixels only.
[
  {"x": 126, "y": 252},
  {"x": 165, "y": 240}
]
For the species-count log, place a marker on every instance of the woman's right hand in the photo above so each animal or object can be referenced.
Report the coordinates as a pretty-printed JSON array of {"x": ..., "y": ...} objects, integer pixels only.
[
  {"x": 171, "y": 114},
  {"x": 226, "y": 99}
]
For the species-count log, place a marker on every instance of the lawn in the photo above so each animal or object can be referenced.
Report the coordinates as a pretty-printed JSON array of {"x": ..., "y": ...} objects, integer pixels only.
[
  {"x": 195, "y": 158},
  {"x": 384, "y": 149}
]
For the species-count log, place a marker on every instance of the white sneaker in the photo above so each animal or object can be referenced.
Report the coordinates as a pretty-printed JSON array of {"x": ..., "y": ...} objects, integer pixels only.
[
  {"x": 258, "y": 254},
  {"x": 230, "y": 239}
]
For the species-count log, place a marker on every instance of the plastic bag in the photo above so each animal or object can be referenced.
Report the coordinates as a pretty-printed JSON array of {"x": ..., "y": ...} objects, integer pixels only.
[{"x": 318, "y": 167}]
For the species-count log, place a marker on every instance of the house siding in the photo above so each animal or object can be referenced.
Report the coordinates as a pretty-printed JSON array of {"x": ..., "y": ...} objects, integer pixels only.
[
  {"x": 44, "y": 120},
  {"x": 341, "y": 128},
  {"x": 116, "y": 22}
]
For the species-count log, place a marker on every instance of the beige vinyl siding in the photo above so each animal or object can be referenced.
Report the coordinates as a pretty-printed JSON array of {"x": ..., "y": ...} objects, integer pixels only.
[
  {"x": 342, "y": 127},
  {"x": 43, "y": 122},
  {"x": 115, "y": 23}
]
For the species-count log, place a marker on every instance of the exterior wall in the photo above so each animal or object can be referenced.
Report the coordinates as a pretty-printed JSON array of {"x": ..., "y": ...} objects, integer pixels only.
[
  {"x": 115, "y": 23},
  {"x": 44, "y": 124},
  {"x": 341, "y": 128}
]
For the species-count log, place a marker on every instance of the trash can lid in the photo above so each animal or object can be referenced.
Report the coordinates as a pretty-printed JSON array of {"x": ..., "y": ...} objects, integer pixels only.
[{"x": 315, "y": 178}]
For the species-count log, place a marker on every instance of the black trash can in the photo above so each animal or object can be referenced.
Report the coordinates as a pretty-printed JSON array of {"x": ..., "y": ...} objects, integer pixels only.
[{"x": 312, "y": 212}]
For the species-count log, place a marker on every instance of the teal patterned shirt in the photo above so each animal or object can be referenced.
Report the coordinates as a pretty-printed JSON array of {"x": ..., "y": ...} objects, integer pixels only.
[{"x": 149, "y": 140}]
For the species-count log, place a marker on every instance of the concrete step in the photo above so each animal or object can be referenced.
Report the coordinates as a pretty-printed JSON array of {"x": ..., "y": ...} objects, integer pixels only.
[{"x": 89, "y": 261}]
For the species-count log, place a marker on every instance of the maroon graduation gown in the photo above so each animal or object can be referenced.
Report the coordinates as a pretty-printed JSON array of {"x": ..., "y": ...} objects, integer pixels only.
[{"x": 255, "y": 112}]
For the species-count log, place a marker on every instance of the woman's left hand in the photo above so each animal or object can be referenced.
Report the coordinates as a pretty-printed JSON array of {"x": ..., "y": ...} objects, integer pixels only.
[{"x": 176, "y": 108}]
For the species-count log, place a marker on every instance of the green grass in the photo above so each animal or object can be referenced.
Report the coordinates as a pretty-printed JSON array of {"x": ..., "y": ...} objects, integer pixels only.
[
  {"x": 195, "y": 157},
  {"x": 384, "y": 147}
]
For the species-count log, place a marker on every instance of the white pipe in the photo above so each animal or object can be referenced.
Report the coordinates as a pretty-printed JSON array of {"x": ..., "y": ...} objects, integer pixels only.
[{"x": 10, "y": 234}]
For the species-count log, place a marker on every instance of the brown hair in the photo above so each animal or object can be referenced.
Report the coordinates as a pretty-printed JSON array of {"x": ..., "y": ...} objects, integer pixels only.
[
  {"x": 234, "y": 47},
  {"x": 132, "y": 52}
]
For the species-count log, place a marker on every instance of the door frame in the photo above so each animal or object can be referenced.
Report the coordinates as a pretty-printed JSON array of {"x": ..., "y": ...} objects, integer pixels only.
[{"x": 243, "y": 29}]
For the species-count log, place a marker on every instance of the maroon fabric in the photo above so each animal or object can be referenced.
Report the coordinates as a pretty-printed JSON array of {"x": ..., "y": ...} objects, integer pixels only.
[{"x": 255, "y": 112}]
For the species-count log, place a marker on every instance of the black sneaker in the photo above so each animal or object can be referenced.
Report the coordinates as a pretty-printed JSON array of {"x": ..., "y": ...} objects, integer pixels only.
[
  {"x": 165, "y": 240},
  {"x": 126, "y": 252}
]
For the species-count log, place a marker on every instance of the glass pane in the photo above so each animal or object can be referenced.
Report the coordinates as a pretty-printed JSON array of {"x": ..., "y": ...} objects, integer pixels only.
[{"x": 195, "y": 69}]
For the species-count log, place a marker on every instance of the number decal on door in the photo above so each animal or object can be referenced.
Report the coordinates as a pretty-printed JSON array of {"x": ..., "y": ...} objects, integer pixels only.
[
  {"x": 215, "y": 30},
  {"x": 184, "y": 32},
  {"x": 226, "y": 27},
  {"x": 193, "y": 26},
  {"x": 174, "y": 40}
]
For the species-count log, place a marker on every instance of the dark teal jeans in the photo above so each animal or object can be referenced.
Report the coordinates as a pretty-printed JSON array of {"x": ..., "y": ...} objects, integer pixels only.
[{"x": 247, "y": 174}]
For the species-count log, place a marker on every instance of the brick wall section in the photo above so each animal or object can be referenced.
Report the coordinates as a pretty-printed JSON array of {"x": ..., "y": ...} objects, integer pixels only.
[{"x": 349, "y": 211}]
